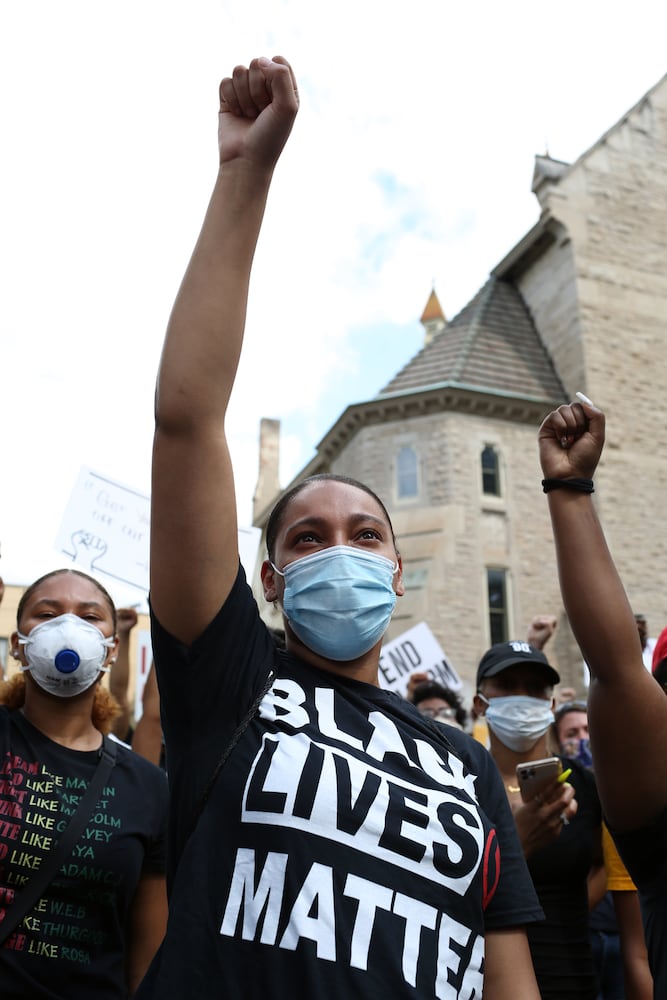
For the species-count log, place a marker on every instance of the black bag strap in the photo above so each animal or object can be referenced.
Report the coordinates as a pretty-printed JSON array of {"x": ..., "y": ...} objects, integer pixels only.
[
  {"x": 235, "y": 737},
  {"x": 30, "y": 894}
]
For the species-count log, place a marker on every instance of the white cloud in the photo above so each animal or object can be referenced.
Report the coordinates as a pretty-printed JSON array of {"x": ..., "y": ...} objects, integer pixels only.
[{"x": 410, "y": 163}]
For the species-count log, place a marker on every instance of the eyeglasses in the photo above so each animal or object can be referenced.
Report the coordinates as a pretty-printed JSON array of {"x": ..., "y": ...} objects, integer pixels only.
[{"x": 438, "y": 713}]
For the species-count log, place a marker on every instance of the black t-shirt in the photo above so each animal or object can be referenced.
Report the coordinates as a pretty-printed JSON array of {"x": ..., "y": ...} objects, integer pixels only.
[
  {"x": 346, "y": 849},
  {"x": 560, "y": 945},
  {"x": 644, "y": 854},
  {"x": 72, "y": 944}
]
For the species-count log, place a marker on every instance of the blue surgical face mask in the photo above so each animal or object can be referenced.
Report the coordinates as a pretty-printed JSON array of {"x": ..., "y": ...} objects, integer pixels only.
[
  {"x": 518, "y": 720},
  {"x": 339, "y": 601}
]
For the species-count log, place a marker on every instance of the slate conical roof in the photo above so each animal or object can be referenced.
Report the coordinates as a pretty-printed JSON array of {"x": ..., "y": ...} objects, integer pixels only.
[{"x": 491, "y": 344}]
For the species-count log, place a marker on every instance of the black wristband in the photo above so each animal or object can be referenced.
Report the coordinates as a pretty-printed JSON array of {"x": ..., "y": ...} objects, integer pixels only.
[{"x": 579, "y": 484}]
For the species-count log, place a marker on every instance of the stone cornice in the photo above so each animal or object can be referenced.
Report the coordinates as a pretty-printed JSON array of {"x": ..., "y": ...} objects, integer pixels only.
[{"x": 446, "y": 397}]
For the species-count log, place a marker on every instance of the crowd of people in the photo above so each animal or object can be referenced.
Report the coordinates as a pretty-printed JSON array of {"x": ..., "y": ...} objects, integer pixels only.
[
  {"x": 277, "y": 822},
  {"x": 591, "y": 942}
]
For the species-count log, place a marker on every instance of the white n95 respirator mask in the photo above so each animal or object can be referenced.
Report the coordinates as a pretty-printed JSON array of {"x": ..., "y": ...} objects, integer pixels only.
[{"x": 65, "y": 655}]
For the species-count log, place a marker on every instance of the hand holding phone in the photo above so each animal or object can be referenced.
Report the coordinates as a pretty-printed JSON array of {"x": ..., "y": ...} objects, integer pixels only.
[
  {"x": 535, "y": 776},
  {"x": 542, "y": 818}
]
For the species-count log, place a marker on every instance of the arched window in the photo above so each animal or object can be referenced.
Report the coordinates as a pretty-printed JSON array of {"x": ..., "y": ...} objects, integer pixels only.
[
  {"x": 406, "y": 473},
  {"x": 490, "y": 471}
]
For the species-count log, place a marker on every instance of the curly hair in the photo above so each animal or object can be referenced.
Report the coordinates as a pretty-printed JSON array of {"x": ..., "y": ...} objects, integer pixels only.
[
  {"x": 105, "y": 707},
  {"x": 433, "y": 689}
]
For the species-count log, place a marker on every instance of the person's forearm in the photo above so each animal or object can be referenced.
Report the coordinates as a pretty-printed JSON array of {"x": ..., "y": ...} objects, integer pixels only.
[
  {"x": 508, "y": 966},
  {"x": 147, "y": 740},
  {"x": 594, "y": 598},
  {"x": 119, "y": 679},
  {"x": 596, "y": 885},
  {"x": 205, "y": 330},
  {"x": 146, "y": 923},
  {"x": 636, "y": 973}
]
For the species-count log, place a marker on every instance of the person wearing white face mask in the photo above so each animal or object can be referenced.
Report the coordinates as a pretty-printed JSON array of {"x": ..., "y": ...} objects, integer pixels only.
[
  {"x": 83, "y": 818},
  {"x": 560, "y": 830},
  {"x": 326, "y": 838}
]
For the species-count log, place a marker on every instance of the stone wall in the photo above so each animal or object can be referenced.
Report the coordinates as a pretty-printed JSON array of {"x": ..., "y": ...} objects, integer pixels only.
[{"x": 613, "y": 204}]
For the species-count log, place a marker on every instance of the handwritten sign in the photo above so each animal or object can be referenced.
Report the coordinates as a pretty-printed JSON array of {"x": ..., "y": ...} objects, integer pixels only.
[
  {"x": 144, "y": 660},
  {"x": 249, "y": 539},
  {"x": 415, "y": 650},
  {"x": 106, "y": 529}
]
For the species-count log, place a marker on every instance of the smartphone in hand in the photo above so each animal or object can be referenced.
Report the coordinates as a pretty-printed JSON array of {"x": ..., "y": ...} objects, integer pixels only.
[{"x": 534, "y": 776}]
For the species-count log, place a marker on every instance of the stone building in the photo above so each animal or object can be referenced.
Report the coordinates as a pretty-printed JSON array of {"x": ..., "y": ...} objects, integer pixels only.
[{"x": 580, "y": 303}]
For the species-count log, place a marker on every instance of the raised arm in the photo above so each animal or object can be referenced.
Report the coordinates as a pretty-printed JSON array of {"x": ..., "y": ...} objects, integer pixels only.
[
  {"x": 540, "y": 630},
  {"x": 627, "y": 710},
  {"x": 119, "y": 678},
  {"x": 194, "y": 540},
  {"x": 147, "y": 739}
]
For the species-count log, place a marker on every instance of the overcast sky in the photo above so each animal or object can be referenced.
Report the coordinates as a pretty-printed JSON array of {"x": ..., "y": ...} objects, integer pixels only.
[{"x": 410, "y": 164}]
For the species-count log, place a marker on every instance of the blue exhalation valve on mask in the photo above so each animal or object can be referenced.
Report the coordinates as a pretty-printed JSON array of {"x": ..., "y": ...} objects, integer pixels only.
[{"x": 67, "y": 660}]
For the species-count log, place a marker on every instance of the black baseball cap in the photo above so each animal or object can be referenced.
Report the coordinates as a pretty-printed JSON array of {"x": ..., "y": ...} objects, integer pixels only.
[{"x": 508, "y": 654}]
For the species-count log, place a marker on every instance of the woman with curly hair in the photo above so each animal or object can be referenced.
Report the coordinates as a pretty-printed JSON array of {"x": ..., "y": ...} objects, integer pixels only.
[{"x": 94, "y": 925}]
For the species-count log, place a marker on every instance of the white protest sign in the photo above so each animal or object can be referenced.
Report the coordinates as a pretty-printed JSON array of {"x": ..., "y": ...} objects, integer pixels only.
[
  {"x": 249, "y": 539},
  {"x": 144, "y": 660},
  {"x": 415, "y": 650},
  {"x": 106, "y": 529}
]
